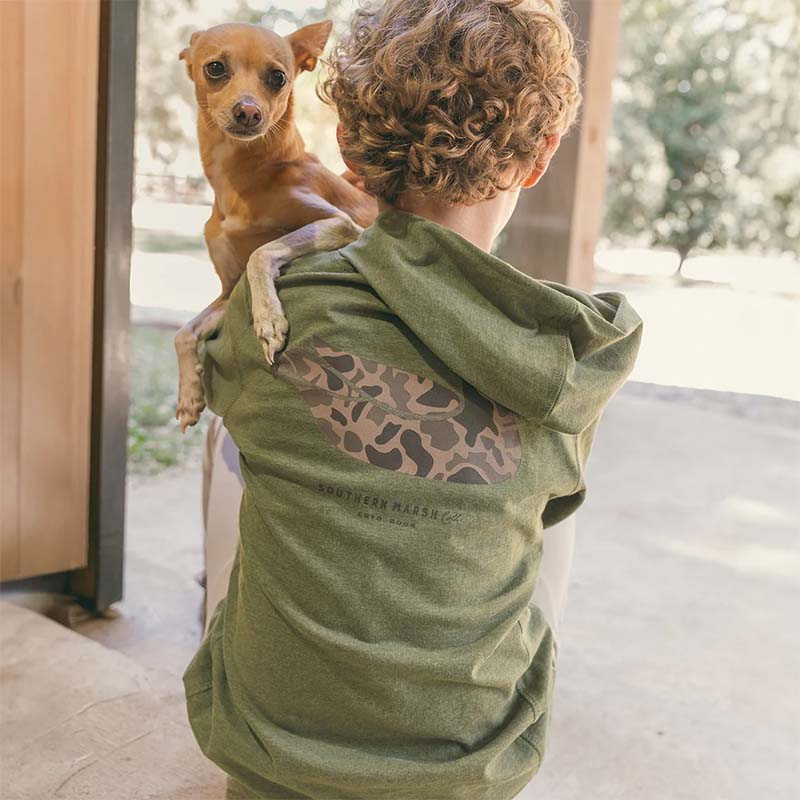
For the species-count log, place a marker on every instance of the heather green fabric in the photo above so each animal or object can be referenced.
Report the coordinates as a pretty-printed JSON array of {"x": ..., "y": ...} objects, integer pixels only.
[{"x": 432, "y": 411}]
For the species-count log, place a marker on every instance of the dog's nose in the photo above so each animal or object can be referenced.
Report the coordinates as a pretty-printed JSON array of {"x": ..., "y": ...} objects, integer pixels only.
[{"x": 247, "y": 113}]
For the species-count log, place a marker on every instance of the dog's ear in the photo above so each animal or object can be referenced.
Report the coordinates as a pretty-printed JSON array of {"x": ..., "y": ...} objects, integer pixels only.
[
  {"x": 186, "y": 53},
  {"x": 309, "y": 42}
]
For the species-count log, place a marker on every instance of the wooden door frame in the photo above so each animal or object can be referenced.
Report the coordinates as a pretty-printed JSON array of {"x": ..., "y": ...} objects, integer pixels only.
[{"x": 100, "y": 583}]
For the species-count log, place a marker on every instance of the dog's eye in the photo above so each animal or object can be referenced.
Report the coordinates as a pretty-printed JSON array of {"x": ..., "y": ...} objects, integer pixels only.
[
  {"x": 215, "y": 69},
  {"x": 277, "y": 79}
]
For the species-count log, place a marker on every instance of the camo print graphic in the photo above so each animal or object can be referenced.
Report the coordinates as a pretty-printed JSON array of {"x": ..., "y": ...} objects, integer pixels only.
[
  {"x": 404, "y": 422},
  {"x": 399, "y": 390}
]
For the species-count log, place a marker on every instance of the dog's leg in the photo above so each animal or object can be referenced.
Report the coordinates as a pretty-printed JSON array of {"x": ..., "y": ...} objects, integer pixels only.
[
  {"x": 191, "y": 397},
  {"x": 265, "y": 265}
]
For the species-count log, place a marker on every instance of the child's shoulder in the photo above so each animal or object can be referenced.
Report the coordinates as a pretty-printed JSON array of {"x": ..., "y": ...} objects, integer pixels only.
[{"x": 331, "y": 261}]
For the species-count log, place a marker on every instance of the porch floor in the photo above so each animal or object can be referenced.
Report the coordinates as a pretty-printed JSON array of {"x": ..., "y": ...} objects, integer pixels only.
[{"x": 680, "y": 645}]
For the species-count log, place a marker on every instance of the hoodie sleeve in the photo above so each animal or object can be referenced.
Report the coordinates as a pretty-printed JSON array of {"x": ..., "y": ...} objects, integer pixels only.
[
  {"x": 560, "y": 507},
  {"x": 600, "y": 348}
]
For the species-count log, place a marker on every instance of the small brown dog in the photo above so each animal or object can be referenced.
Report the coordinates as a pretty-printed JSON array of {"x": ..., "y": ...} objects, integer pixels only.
[{"x": 273, "y": 201}]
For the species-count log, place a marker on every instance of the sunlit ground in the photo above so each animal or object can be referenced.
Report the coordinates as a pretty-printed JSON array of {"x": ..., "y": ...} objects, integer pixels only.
[{"x": 717, "y": 337}]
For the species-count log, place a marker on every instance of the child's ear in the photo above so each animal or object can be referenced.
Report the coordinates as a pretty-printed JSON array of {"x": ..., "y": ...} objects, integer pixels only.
[
  {"x": 309, "y": 42},
  {"x": 552, "y": 142},
  {"x": 186, "y": 53}
]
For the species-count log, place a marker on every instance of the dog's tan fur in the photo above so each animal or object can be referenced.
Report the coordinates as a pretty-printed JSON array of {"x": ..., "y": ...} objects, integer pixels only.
[{"x": 273, "y": 201}]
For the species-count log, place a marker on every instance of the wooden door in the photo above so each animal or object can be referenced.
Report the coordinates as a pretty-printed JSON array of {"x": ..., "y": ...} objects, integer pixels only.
[{"x": 49, "y": 100}]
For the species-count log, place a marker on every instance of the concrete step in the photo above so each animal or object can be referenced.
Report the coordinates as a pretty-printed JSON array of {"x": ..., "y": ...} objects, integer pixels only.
[{"x": 83, "y": 721}]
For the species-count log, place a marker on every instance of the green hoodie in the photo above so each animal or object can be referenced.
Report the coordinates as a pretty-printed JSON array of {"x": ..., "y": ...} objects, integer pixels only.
[{"x": 432, "y": 412}]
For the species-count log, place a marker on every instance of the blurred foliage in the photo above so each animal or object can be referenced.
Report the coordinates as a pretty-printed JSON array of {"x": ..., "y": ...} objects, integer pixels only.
[
  {"x": 155, "y": 440},
  {"x": 163, "y": 90},
  {"x": 705, "y": 149}
]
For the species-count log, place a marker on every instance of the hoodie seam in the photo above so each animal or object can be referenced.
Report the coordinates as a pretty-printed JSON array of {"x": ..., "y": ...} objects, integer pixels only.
[
  {"x": 235, "y": 353},
  {"x": 578, "y": 469},
  {"x": 205, "y": 379}
]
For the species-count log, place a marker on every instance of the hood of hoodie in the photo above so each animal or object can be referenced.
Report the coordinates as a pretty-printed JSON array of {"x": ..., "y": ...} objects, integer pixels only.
[{"x": 548, "y": 352}]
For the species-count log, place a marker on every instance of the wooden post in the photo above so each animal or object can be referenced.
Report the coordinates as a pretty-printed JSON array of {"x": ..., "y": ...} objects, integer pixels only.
[{"x": 553, "y": 233}]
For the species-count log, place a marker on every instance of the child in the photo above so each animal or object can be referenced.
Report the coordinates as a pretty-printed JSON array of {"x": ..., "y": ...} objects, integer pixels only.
[{"x": 431, "y": 413}]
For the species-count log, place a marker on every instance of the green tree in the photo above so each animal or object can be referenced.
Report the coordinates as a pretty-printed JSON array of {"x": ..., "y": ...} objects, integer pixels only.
[
  {"x": 704, "y": 96},
  {"x": 769, "y": 128},
  {"x": 162, "y": 90}
]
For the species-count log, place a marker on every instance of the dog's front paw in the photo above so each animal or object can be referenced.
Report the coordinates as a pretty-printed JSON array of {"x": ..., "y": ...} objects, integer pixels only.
[
  {"x": 191, "y": 402},
  {"x": 271, "y": 328}
]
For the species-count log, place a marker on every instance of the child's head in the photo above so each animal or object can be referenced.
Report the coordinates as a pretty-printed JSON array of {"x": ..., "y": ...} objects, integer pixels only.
[{"x": 455, "y": 99}]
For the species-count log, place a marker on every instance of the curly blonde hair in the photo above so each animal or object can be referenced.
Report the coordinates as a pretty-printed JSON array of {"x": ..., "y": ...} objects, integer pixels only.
[{"x": 452, "y": 98}]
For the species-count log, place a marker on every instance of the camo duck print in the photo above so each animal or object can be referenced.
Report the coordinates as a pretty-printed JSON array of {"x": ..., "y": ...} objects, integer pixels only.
[{"x": 404, "y": 422}]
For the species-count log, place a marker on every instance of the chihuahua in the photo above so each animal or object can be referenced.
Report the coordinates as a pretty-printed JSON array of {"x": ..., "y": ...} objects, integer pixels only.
[{"x": 273, "y": 201}]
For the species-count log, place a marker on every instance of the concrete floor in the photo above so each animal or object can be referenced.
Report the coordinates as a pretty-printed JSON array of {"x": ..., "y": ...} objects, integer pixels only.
[
  {"x": 85, "y": 722},
  {"x": 678, "y": 675},
  {"x": 681, "y": 649},
  {"x": 158, "y": 622}
]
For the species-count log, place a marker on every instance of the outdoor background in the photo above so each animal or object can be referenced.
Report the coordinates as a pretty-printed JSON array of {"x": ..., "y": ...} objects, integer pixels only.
[
  {"x": 677, "y": 673},
  {"x": 702, "y": 227}
]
